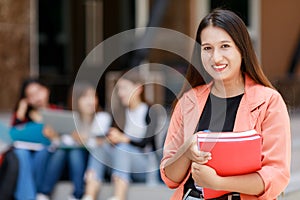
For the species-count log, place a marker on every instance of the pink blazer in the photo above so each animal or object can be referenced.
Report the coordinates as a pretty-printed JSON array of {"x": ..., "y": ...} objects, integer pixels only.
[{"x": 262, "y": 109}]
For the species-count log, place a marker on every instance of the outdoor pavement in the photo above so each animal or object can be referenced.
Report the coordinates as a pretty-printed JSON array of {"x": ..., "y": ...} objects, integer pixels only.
[
  {"x": 293, "y": 190},
  {"x": 160, "y": 191}
]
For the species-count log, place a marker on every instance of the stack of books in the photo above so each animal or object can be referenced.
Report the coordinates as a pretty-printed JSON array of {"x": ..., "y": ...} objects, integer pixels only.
[{"x": 233, "y": 153}]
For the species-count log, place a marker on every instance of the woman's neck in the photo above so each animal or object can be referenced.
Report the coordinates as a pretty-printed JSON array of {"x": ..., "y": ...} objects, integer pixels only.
[
  {"x": 134, "y": 103},
  {"x": 227, "y": 89},
  {"x": 86, "y": 119}
]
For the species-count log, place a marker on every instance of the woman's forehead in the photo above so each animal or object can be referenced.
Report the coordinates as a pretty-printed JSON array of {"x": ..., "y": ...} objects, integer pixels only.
[
  {"x": 212, "y": 34},
  {"x": 32, "y": 87}
]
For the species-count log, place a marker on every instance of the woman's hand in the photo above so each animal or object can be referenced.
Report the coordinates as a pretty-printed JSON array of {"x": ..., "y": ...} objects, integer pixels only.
[
  {"x": 80, "y": 138},
  {"x": 195, "y": 155},
  {"x": 50, "y": 133},
  {"x": 183, "y": 158},
  {"x": 205, "y": 176},
  {"x": 100, "y": 140},
  {"x": 36, "y": 116},
  {"x": 22, "y": 109},
  {"x": 115, "y": 136}
]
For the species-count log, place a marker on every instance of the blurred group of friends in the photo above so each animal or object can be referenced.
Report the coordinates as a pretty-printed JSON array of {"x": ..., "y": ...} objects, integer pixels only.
[{"x": 114, "y": 150}]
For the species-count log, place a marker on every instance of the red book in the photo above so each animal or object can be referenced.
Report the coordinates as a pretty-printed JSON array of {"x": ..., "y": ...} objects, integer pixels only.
[{"x": 233, "y": 153}]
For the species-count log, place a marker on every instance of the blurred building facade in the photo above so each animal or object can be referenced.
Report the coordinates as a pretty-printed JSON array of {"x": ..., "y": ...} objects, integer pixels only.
[{"x": 51, "y": 38}]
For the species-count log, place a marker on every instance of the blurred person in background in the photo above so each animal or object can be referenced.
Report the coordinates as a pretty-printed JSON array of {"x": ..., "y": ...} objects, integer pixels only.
[
  {"x": 34, "y": 95},
  {"x": 97, "y": 144},
  {"x": 72, "y": 149},
  {"x": 133, "y": 134}
]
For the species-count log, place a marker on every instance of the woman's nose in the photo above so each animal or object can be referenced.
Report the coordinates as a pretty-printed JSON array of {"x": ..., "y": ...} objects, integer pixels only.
[{"x": 216, "y": 56}]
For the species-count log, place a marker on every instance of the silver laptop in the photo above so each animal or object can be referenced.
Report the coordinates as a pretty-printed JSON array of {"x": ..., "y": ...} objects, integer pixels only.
[{"x": 62, "y": 121}]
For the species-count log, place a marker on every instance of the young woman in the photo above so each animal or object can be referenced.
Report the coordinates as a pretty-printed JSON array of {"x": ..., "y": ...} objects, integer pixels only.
[
  {"x": 100, "y": 151},
  {"x": 229, "y": 75},
  {"x": 34, "y": 95},
  {"x": 85, "y": 102},
  {"x": 127, "y": 155}
]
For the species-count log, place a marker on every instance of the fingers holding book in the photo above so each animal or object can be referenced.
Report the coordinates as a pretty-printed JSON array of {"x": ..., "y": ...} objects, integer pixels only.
[
  {"x": 204, "y": 176},
  {"x": 195, "y": 155}
]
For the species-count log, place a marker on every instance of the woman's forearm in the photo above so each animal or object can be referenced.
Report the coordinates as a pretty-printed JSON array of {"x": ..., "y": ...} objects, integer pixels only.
[
  {"x": 251, "y": 184},
  {"x": 207, "y": 177},
  {"x": 177, "y": 168}
]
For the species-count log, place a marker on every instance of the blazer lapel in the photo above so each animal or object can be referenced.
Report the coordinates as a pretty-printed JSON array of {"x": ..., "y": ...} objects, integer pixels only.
[
  {"x": 193, "y": 106},
  {"x": 248, "y": 112}
]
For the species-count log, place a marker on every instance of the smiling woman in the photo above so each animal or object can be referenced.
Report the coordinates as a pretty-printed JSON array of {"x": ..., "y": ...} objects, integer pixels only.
[
  {"x": 222, "y": 60},
  {"x": 230, "y": 93}
]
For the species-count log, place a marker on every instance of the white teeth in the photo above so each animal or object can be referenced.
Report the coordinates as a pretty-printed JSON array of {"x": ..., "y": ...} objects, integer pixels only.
[{"x": 219, "y": 66}]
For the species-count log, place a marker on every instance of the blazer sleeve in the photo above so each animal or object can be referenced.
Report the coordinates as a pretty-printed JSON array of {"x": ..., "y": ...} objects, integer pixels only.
[
  {"x": 174, "y": 139},
  {"x": 276, "y": 148}
]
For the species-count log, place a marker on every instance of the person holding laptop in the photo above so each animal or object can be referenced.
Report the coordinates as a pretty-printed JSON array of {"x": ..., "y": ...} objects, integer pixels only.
[
  {"x": 34, "y": 95},
  {"x": 71, "y": 149}
]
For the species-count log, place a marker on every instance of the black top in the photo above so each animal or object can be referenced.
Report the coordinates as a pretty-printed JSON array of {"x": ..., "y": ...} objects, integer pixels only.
[{"x": 218, "y": 115}]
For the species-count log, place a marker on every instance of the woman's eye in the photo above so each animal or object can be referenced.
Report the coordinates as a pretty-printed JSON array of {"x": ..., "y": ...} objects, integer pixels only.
[
  {"x": 206, "y": 48},
  {"x": 225, "y": 46}
]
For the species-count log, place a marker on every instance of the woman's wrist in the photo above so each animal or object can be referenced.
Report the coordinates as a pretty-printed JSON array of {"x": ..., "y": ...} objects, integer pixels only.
[
  {"x": 219, "y": 183},
  {"x": 125, "y": 139},
  {"x": 20, "y": 114},
  {"x": 22, "y": 108},
  {"x": 55, "y": 141}
]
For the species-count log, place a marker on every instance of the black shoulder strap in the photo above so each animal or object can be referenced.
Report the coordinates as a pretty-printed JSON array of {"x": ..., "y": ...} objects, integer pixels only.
[{"x": 148, "y": 119}]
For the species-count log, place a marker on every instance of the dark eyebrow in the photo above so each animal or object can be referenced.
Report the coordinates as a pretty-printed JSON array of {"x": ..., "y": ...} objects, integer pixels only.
[
  {"x": 204, "y": 44},
  {"x": 223, "y": 41}
]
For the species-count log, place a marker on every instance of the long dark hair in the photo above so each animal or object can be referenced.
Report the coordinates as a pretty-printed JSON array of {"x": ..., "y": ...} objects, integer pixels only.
[
  {"x": 77, "y": 91},
  {"x": 118, "y": 110},
  {"x": 22, "y": 93},
  {"x": 235, "y": 27}
]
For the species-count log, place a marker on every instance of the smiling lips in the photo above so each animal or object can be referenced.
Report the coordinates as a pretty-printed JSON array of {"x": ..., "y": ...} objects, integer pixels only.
[{"x": 219, "y": 68}]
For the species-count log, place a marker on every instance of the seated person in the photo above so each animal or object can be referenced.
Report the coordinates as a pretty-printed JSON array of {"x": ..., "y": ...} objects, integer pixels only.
[
  {"x": 74, "y": 152},
  {"x": 34, "y": 95},
  {"x": 125, "y": 152}
]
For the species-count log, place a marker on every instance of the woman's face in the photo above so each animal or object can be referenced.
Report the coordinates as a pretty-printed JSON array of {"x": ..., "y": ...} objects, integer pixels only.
[
  {"x": 220, "y": 55},
  {"x": 128, "y": 91},
  {"x": 88, "y": 102},
  {"x": 37, "y": 95}
]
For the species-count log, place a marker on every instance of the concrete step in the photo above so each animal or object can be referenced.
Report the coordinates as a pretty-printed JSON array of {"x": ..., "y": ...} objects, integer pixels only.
[{"x": 136, "y": 191}]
